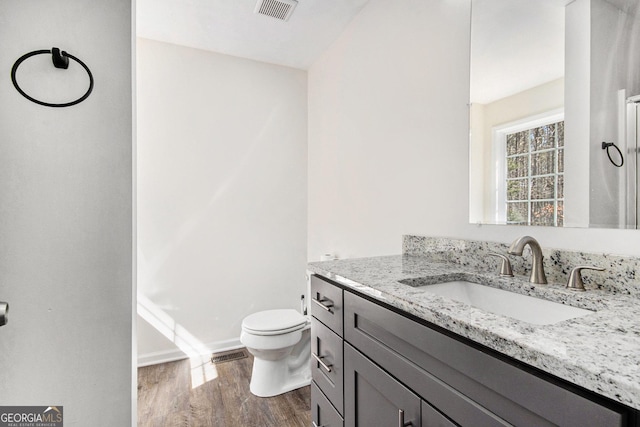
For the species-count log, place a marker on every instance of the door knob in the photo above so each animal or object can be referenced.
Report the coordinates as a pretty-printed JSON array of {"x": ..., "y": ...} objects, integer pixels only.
[{"x": 4, "y": 313}]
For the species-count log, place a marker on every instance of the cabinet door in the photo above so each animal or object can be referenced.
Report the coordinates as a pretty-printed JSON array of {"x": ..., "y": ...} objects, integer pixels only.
[{"x": 373, "y": 397}]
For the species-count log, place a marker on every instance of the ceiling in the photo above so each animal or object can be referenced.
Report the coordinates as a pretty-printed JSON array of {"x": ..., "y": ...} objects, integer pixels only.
[
  {"x": 231, "y": 27},
  {"x": 501, "y": 55}
]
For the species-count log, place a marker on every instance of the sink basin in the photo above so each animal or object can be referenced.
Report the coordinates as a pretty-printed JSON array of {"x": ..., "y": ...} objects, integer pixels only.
[{"x": 517, "y": 306}]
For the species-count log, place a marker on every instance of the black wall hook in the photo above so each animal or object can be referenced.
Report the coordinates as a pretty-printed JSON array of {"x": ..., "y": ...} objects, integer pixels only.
[
  {"x": 606, "y": 146},
  {"x": 60, "y": 59}
]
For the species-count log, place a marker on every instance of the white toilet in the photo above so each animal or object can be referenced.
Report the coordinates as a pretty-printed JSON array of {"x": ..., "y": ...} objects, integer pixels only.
[{"x": 280, "y": 342}]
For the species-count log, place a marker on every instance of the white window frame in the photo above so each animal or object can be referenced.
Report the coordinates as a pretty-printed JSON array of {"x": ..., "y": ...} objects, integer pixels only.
[{"x": 499, "y": 149}]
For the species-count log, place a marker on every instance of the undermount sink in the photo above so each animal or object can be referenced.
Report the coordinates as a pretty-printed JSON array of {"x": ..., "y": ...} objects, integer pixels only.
[{"x": 521, "y": 307}]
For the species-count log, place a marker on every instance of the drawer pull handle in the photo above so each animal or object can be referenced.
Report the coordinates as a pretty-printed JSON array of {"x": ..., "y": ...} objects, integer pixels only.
[
  {"x": 325, "y": 306},
  {"x": 319, "y": 360},
  {"x": 401, "y": 422}
]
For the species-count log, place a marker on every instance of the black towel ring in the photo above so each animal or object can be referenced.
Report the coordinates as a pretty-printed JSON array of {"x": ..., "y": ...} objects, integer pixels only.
[
  {"x": 606, "y": 146},
  {"x": 60, "y": 60}
]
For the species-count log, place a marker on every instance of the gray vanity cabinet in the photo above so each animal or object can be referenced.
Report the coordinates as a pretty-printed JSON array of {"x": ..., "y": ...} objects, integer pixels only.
[{"x": 388, "y": 368}]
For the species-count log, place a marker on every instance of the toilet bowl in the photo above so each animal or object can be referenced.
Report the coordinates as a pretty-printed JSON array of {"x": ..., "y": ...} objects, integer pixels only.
[{"x": 280, "y": 342}]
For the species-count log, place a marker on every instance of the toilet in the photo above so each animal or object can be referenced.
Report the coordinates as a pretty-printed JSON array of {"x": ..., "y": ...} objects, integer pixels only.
[{"x": 280, "y": 342}]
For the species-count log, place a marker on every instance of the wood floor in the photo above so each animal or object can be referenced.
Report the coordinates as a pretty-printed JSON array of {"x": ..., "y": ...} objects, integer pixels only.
[{"x": 179, "y": 394}]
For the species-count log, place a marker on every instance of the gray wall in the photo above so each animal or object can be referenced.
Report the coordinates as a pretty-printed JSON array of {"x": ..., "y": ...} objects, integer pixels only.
[{"x": 66, "y": 212}]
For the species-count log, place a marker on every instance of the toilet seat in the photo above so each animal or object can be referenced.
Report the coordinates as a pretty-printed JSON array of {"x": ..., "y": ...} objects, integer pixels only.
[{"x": 274, "y": 322}]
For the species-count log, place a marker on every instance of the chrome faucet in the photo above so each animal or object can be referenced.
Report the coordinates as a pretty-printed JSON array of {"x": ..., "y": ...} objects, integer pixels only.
[{"x": 537, "y": 268}]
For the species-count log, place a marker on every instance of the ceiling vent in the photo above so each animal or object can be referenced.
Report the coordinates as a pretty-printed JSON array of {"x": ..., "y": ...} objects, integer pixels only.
[{"x": 278, "y": 9}]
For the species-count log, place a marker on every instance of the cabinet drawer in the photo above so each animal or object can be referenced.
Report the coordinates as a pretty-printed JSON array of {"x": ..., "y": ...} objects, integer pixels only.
[
  {"x": 328, "y": 371},
  {"x": 322, "y": 412},
  {"x": 373, "y": 397},
  {"x": 326, "y": 303},
  {"x": 469, "y": 385}
]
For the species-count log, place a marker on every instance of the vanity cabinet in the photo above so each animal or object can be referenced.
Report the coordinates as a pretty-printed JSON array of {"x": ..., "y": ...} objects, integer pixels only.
[{"x": 401, "y": 370}]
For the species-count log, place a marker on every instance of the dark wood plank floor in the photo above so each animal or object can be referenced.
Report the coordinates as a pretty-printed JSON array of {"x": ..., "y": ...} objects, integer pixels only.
[{"x": 179, "y": 394}]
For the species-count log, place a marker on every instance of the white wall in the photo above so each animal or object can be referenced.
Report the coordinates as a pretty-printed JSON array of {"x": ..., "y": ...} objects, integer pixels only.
[
  {"x": 387, "y": 115},
  {"x": 66, "y": 213},
  {"x": 479, "y": 155},
  {"x": 388, "y": 138},
  {"x": 222, "y": 191}
]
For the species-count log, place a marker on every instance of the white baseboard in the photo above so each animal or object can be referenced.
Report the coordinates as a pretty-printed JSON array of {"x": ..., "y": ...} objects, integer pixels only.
[{"x": 173, "y": 355}]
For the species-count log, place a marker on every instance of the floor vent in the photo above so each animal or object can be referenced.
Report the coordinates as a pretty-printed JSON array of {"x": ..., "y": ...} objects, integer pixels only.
[
  {"x": 278, "y": 9},
  {"x": 228, "y": 356}
]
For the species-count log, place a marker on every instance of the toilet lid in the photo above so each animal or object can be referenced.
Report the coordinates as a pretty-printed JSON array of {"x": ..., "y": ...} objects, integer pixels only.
[{"x": 274, "y": 321}]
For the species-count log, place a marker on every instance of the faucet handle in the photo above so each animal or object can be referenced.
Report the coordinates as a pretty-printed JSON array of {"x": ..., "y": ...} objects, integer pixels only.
[
  {"x": 575, "y": 277},
  {"x": 505, "y": 267}
]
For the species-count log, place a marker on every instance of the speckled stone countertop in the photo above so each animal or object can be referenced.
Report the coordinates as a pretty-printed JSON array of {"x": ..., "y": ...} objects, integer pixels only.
[{"x": 600, "y": 351}]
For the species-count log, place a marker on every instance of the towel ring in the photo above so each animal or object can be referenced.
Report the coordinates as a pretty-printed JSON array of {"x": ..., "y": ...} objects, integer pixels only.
[
  {"x": 60, "y": 60},
  {"x": 606, "y": 146}
]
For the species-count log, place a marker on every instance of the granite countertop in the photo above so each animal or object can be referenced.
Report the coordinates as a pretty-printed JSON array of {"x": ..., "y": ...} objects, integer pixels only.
[{"x": 600, "y": 351}]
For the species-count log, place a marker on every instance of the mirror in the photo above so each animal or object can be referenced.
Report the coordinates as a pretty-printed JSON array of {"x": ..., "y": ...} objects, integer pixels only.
[{"x": 551, "y": 80}]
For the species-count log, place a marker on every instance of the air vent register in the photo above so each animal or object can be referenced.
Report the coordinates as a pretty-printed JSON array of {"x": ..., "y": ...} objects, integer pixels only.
[{"x": 278, "y": 9}]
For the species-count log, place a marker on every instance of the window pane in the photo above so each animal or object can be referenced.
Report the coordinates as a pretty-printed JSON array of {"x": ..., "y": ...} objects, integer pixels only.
[
  {"x": 542, "y": 188},
  {"x": 560, "y": 134},
  {"x": 535, "y": 181},
  {"x": 542, "y": 213},
  {"x": 517, "y": 213},
  {"x": 512, "y": 147},
  {"x": 530, "y": 137},
  {"x": 560, "y": 187},
  {"x": 560, "y": 160},
  {"x": 522, "y": 145},
  {"x": 517, "y": 167},
  {"x": 518, "y": 189},
  {"x": 544, "y": 137},
  {"x": 560, "y": 213},
  {"x": 542, "y": 163}
]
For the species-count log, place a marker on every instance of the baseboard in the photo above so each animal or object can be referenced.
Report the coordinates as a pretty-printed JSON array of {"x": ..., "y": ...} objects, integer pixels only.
[{"x": 158, "y": 357}]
